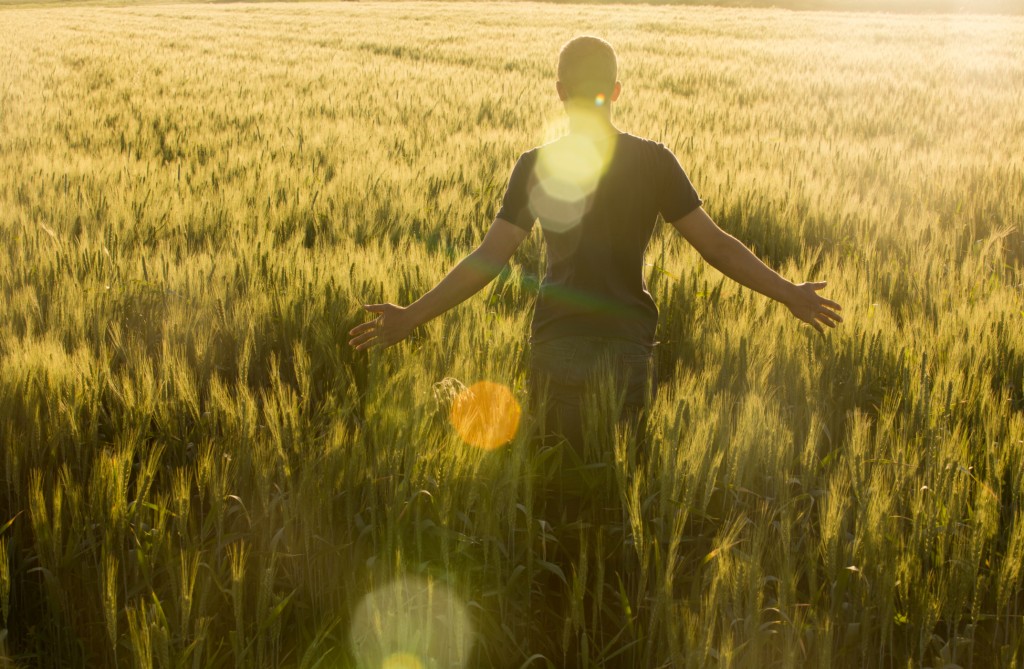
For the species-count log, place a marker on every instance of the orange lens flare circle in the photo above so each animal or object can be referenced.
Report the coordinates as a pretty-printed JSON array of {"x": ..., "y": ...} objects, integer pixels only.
[{"x": 486, "y": 415}]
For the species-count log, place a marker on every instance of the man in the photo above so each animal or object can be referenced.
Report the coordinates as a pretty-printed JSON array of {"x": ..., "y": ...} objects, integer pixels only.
[{"x": 597, "y": 193}]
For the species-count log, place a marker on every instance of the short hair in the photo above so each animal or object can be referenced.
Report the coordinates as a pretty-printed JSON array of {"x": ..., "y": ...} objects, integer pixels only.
[{"x": 587, "y": 66}]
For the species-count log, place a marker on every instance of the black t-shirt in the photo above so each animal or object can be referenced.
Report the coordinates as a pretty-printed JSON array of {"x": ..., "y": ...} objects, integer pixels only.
[{"x": 597, "y": 203}]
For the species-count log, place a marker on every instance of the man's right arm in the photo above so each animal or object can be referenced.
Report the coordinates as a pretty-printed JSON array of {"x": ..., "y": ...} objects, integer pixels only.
[
  {"x": 728, "y": 255},
  {"x": 475, "y": 271}
]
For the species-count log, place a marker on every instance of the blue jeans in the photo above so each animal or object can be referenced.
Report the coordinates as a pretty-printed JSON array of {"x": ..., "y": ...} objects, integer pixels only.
[{"x": 583, "y": 386}]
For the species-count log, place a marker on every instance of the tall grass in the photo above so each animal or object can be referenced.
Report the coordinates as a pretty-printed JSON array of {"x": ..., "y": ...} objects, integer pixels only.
[{"x": 198, "y": 472}]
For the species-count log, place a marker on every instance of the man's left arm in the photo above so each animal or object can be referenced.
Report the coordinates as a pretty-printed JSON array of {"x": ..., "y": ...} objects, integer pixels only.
[
  {"x": 473, "y": 272},
  {"x": 729, "y": 256}
]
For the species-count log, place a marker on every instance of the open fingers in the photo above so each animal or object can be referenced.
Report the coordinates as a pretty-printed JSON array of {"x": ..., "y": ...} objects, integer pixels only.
[
  {"x": 828, "y": 313},
  {"x": 360, "y": 340},
  {"x": 824, "y": 301},
  {"x": 364, "y": 327},
  {"x": 832, "y": 305}
]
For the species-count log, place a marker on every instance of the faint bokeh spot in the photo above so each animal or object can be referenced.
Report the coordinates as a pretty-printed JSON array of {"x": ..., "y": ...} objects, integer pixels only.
[
  {"x": 402, "y": 661},
  {"x": 411, "y": 623}
]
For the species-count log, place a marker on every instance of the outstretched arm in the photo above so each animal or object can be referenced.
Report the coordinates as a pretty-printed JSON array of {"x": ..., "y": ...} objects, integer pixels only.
[
  {"x": 473, "y": 272},
  {"x": 728, "y": 255}
]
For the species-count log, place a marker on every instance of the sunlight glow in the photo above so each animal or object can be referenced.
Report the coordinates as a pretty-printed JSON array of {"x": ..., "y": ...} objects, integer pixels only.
[
  {"x": 402, "y": 661},
  {"x": 568, "y": 171},
  {"x": 411, "y": 623},
  {"x": 486, "y": 415}
]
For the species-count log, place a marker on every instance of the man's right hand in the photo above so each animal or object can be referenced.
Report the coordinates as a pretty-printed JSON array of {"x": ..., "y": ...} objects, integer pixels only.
[{"x": 394, "y": 324}]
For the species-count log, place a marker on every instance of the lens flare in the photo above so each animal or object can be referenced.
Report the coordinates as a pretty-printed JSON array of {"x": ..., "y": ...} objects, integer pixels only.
[
  {"x": 486, "y": 415},
  {"x": 599, "y": 100},
  {"x": 411, "y": 623},
  {"x": 568, "y": 172}
]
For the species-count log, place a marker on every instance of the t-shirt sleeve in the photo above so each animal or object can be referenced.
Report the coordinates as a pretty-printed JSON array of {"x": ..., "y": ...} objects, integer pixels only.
[
  {"x": 515, "y": 206},
  {"x": 677, "y": 196}
]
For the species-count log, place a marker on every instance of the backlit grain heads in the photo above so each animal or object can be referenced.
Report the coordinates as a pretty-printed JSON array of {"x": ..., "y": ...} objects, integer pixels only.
[{"x": 486, "y": 415}]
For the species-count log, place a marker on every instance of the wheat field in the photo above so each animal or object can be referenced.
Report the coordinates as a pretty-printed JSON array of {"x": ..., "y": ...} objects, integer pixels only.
[{"x": 198, "y": 471}]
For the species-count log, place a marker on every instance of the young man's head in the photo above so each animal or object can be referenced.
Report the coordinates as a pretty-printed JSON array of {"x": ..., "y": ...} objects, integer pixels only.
[{"x": 587, "y": 71}]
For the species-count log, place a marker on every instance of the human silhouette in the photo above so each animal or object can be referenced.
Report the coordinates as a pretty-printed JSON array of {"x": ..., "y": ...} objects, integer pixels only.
[{"x": 598, "y": 193}]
